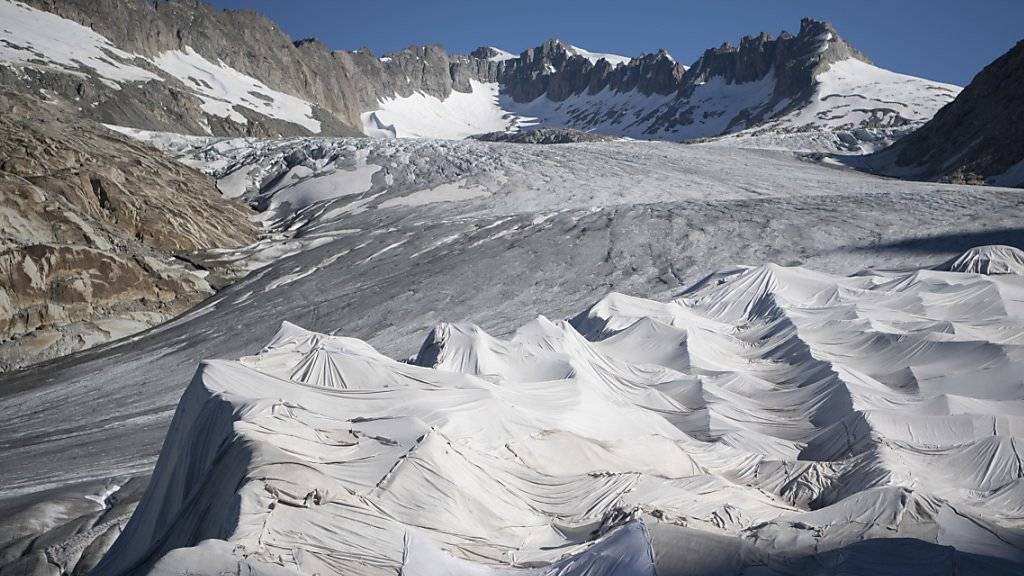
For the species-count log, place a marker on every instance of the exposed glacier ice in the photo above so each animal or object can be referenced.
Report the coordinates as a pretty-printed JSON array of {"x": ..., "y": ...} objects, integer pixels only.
[{"x": 562, "y": 225}]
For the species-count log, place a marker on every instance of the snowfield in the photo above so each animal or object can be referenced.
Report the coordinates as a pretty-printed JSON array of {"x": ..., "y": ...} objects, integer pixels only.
[
  {"x": 864, "y": 93},
  {"x": 855, "y": 106},
  {"x": 594, "y": 57},
  {"x": 421, "y": 115}
]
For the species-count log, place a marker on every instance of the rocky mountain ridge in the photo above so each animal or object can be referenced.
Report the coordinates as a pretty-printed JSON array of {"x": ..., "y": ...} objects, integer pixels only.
[
  {"x": 814, "y": 81},
  {"x": 812, "y": 90},
  {"x": 553, "y": 70},
  {"x": 179, "y": 48},
  {"x": 975, "y": 139}
]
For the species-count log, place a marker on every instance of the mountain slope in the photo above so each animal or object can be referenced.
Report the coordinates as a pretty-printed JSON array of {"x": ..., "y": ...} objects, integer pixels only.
[
  {"x": 183, "y": 66},
  {"x": 976, "y": 138}
]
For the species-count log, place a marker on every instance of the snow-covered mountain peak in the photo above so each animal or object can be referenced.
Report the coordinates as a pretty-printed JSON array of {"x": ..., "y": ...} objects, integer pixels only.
[
  {"x": 497, "y": 54},
  {"x": 594, "y": 57},
  {"x": 795, "y": 59},
  {"x": 808, "y": 91}
]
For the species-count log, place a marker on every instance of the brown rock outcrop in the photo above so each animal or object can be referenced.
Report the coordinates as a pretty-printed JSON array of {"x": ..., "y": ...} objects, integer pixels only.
[{"x": 89, "y": 226}]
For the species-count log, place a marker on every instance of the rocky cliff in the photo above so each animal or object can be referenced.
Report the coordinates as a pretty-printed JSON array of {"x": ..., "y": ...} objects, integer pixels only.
[
  {"x": 557, "y": 70},
  {"x": 976, "y": 138},
  {"x": 89, "y": 226}
]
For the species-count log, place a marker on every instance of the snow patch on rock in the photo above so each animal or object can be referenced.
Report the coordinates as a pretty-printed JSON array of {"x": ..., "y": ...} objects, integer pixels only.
[
  {"x": 501, "y": 55},
  {"x": 34, "y": 38},
  {"x": 222, "y": 88}
]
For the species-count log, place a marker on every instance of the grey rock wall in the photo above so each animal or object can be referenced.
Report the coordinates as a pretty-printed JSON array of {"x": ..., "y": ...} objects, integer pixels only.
[{"x": 974, "y": 139}]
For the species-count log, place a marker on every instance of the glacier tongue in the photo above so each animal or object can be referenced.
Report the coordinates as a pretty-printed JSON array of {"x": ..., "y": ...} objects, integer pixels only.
[{"x": 776, "y": 417}]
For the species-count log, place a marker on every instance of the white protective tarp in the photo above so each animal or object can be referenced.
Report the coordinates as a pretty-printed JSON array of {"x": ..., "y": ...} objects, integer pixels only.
[{"x": 792, "y": 412}]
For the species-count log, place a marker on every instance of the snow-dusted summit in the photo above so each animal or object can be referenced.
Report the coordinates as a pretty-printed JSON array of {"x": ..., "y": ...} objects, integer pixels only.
[{"x": 809, "y": 91}]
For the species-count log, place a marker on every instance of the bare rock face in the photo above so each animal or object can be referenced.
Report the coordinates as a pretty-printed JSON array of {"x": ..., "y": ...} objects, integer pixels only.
[
  {"x": 555, "y": 69},
  {"x": 89, "y": 223},
  {"x": 547, "y": 69},
  {"x": 976, "y": 138}
]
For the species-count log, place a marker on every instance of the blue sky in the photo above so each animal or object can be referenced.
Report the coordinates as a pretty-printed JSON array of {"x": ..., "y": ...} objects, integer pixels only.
[{"x": 946, "y": 40}]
